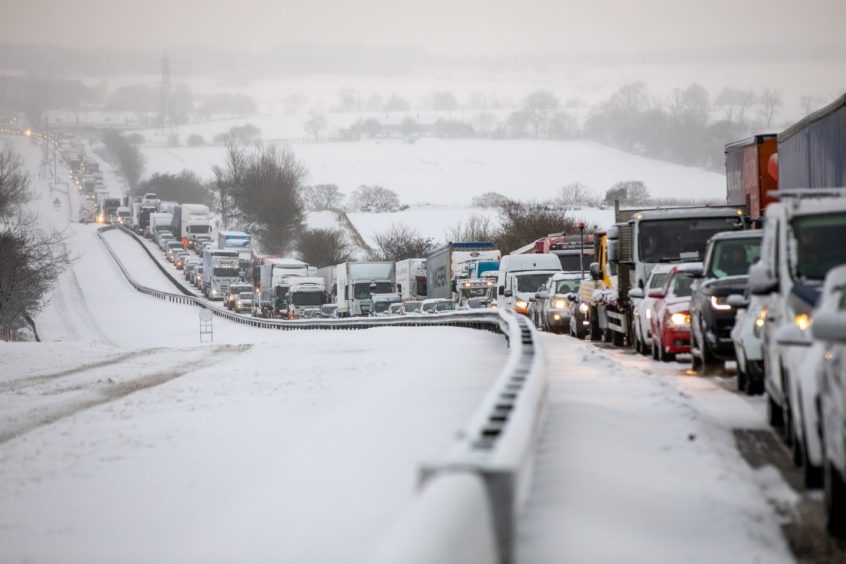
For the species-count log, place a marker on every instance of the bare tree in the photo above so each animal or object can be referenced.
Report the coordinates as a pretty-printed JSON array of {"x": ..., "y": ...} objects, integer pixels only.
[
  {"x": 524, "y": 222},
  {"x": 539, "y": 107},
  {"x": 478, "y": 227},
  {"x": 226, "y": 178},
  {"x": 484, "y": 123},
  {"x": 185, "y": 187},
  {"x": 400, "y": 242},
  {"x": 576, "y": 194},
  {"x": 266, "y": 192},
  {"x": 374, "y": 199},
  {"x": 628, "y": 192},
  {"x": 745, "y": 100},
  {"x": 323, "y": 247},
  {"x": 14, "y": 182},
  {"x": 771, "y": 101},
  {"x": 445, "y": 102},
  {"x": 31, "y": 258},
  {"x": 489, "y": 200},
  {"x": 316, "y": 125},
  {"x": 322, "y": 197}
]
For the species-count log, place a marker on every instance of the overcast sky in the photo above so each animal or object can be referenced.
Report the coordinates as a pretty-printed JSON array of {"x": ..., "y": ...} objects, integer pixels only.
[{"x": 443, "y": 27}]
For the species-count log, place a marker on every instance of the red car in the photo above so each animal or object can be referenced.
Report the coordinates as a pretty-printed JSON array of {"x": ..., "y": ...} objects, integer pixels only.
[{"x": 671, "y": 315}]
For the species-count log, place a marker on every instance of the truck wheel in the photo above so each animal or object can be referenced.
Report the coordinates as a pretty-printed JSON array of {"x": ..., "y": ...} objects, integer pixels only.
[
  {"x": 618, "y": 339},
  {"x": 754, "y": 378},
  {"x": 775, "y": 414},
  {"x": 742, "y": 383},
  {"x": 654, "y": 350}
]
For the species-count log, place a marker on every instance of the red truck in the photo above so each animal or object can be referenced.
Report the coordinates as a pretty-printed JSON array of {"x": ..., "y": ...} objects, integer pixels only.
[{"x": 748, "y": 180}]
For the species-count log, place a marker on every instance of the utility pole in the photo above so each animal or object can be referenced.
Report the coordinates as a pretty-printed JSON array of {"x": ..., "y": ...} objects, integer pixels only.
[
  {"x": 582, "y": 248},
  {"x": 167, "y": 114}
]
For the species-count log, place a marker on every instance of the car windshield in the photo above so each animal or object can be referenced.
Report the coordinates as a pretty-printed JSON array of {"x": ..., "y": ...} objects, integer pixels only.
[
  {"x": 566, "y": 286},
  {"x": 531, "y": 282},
  {"x": 381, "y": 307},
  {"x": 819, "y": 244},
  {"x": 364, "y": 289},
  {"x": 658, "y": 280},
  {"x": 411, "y": 307},
  {"x": 681, "y": 286},
  {"x": 733, "y": 257},
  {"x": 671, "y": 240},
  {"x": 444, "y": 306}
]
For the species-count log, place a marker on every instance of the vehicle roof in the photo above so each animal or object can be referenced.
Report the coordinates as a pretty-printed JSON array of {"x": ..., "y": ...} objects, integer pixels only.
[
  {"x": 743, "y": 234},
  {"x": 754, "y": 140},
  {"x": 686, "y": 267},
  {"x": 811, "y": 118},
  {"x": 568, "y": 276},
  {"x": 433, "y": 300},
  {"x": 808, "y": 206},
  {"x": 687, "y": 213}
]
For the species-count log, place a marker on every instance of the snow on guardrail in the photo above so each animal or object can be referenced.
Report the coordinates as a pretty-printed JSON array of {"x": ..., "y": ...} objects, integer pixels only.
[{"x": 468, "y": 500}]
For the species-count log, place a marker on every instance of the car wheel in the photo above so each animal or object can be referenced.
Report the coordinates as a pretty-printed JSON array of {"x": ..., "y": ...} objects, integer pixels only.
[
  {"x": 811, "y": 473},
  {"x": 595, "y": 333},
  {"x": 742, "y": 382},
  {"x": 754, "y": 378},
  {"x": 655, "y": 348},
  {"x": 775, "y": 414}
]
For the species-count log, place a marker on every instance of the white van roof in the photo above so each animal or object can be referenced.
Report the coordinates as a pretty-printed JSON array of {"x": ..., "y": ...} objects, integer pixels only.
[{"x": 519, "y": 263}]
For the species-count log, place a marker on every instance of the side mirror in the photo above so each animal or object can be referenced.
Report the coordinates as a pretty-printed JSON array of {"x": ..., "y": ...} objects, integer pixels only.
[
  {"x": 399, "y": 288},
  {"x": 500, "y": 291},
  {"x": 830, "y": 326},
  {"x": 636, "y": 293},
  {"x": 595, "y": 273},
  {"x": 737, "y": 301},
  {"x": 696, "y": 272},
  {"x": 572, "y": 297},
  {"x": 658, "y": 293},
  {"x": 761, "y": 282},
  {"x": 508, "y": 293},
  {"x": 541, "y": 295}
]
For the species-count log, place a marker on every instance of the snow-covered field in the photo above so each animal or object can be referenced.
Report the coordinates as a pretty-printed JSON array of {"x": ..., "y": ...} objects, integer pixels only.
[{"x": 452, "y": 172}]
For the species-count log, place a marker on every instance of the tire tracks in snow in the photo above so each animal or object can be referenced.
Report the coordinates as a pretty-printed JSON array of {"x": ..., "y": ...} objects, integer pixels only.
[{"x": 99, "y": 384}]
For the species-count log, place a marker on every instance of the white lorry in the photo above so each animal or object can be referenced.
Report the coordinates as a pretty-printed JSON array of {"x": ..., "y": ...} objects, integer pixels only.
[
  {"x": 190, "y": 220},
  {"x": 220, "y": 270},
  {"x": 160, "y": 221},
  {"x": 305, "y": 292},
  {"x": 411, "y": 279},
  {"x": 355, "y": 282},
  {"x": 275, "y": 282}
]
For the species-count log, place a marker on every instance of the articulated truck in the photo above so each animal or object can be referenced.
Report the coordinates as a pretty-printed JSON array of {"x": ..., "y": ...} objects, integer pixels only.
[
  {"x": 351, "y": 284},
  {"x": 220, "y": 270},
  {"x": 276, "y": 276},
  {"x": 451, "y": 263}
]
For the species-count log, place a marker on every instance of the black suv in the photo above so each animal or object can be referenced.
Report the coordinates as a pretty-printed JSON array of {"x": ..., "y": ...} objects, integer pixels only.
[{"x": 728, "y": 257}]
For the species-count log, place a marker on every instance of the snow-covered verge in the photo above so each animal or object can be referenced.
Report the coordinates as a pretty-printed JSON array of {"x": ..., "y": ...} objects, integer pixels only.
[
  {"x": 452, "y": 172},
  {"x": 638, "y": 464}
]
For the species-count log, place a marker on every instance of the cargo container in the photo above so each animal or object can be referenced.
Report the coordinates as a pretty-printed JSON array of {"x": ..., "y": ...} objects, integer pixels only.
[
  {"x": 812, "y": 152},
  {"x": 451, "y": 262},
  {"x": 748, "y": 182}
]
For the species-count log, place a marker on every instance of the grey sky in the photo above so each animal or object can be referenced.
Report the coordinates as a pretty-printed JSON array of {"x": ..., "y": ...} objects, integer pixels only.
[{"x": 445, "y": 27}]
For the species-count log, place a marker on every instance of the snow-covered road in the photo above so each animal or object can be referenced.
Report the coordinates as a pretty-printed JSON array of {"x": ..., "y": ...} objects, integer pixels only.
[{"x": 638, "y": 463}]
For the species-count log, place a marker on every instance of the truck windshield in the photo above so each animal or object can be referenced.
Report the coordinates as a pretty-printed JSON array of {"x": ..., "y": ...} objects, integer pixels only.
[
  {"x": 570, "y": 263},
  {"x": 733, "y": 257},
  {"x": 364, "y": 289},
  {"x": 531, "y": 282},
  {"x": 199, "y": 229},
  {"x": 421, "y": 287},
  {"x": 673, "y": 240},
  {"x": 307, "y": 298},
  {"x": 226, "y": 272},
  {"x": 819, "y": 244},
  {"x": 478, "y": 292}
]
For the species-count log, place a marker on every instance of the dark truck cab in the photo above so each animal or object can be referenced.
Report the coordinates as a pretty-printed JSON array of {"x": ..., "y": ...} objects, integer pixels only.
[{"x": 724, "y": 273}]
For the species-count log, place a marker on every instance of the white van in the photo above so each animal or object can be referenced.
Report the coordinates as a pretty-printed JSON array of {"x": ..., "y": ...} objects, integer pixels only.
[{"x": 519, "y": 278}]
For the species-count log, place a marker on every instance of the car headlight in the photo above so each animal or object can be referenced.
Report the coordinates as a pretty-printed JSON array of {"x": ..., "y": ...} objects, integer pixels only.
[
  {"x": 214, "y": 292},
  {"x": 648, "y": 314},
  {"x": 559, "y": 304},
  {"x": 680, "y": 319},
  {"x": 239, "y": 304},
  {"x": 719, "y": 306},
  {"x": 521, "y": 304},
  {"x": 584, "y": 308},
  {"x": 803, "y": 321}
]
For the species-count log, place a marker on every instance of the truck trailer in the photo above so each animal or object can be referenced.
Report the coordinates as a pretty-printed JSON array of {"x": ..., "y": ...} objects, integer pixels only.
[
  {"x": 748, "y": 180},
  {"x": 220, "y": 270},
  {"x": 812, "y": 152},
  {"x": 190, "y": 220},
  {"x": 354, "y": 282},
  {"x": 449, "y": 263}
]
